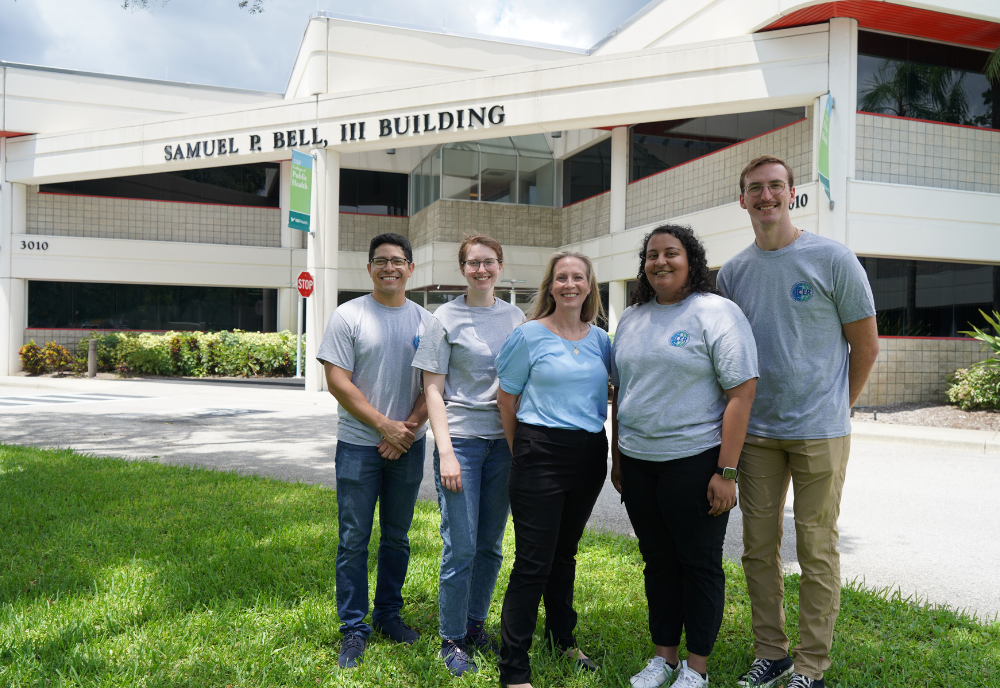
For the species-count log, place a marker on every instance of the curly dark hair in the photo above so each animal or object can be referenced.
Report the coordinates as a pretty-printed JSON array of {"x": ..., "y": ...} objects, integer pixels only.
[{"x": 699, "y": 278}]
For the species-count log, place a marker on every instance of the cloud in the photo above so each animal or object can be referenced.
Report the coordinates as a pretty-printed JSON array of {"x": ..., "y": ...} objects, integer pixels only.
[{"x": 214, "y": 42}]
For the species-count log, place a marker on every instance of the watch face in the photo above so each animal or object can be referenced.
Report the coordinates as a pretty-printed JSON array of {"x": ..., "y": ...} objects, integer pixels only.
[{"x": 729, "y": 473}]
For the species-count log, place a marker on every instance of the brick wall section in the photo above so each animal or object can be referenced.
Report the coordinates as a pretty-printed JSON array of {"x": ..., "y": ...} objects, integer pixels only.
[
  {"x": 903, "y": 151},
  {"x": 126, "y": 218},
  {"x": 357, "y": 231},
  {"x": 712, "y": 180},
  {"x": 917, "y": 370},
  {"x": 522, "y": 225},
  {"x": 587, "y": 219}
]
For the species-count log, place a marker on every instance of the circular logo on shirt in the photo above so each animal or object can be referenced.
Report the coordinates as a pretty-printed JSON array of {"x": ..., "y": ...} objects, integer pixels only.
[
  {"x": 416, "y": 341},
  {"x": 802, "y": 291},
  {"x": 679, "y": 338}
]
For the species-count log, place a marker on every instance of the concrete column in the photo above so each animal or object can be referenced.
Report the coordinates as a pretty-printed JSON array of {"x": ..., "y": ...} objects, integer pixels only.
[
  {"x": 13, "y": 316},
  {"x": 833, "y": 223},
  {"x": 619, "y": 177},
  {"x": 290, "y": 239},
  {"x": 616, "y": 303},
  {"x": 322, "y": 259}
]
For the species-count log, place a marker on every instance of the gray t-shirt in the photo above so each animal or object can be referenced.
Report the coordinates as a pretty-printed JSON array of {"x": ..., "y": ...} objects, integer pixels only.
[
  {"x": 797, "y": 299},
  {"x": 376, "y": 343},
  {"x": 671, "y": 364},
  {"x": 462, "y": 342}
]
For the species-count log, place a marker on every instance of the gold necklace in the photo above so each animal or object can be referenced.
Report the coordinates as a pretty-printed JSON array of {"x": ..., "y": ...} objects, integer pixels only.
[{"x": 576, "y": 349}]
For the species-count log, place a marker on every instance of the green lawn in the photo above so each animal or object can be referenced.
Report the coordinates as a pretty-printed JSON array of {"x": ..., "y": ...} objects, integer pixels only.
[{"x": 116, "y": 573}]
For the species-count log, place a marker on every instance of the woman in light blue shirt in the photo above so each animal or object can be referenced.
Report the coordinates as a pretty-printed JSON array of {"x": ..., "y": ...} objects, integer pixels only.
[{"x": 553, "y": 400}]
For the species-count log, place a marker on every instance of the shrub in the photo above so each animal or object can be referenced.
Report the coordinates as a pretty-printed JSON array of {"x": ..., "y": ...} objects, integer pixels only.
[
  {"x": 57, "y": 358},
  {"x": 31, "y": 358},
  {"x": 107, "y": 347},
  {"x": 197, "y": 354},
  {"x": 975, "y": 388},
  {"x": 990, "y": 342}
]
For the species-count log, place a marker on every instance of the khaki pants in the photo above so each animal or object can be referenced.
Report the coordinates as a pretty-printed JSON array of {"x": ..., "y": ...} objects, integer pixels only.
[{"x": 817, "y": 468}]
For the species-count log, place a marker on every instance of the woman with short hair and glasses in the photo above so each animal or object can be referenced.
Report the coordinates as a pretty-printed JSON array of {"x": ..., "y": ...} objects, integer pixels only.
[
  {"x": 685, "y": 373},
  {"x": 471, "y": 456},
  {"x": 553, "y": 401}
]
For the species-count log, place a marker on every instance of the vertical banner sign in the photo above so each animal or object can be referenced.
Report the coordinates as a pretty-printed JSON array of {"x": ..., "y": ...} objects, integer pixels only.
[
  {"x": 824, "y": 149},
  {"x": 300, "y": 191}
]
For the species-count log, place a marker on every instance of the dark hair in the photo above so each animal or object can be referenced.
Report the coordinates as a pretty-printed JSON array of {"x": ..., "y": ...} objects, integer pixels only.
[
  {"x": 766, "y": 160},
  {"x": 699, "y": 277},
  {"x": 395, "y": 240}
]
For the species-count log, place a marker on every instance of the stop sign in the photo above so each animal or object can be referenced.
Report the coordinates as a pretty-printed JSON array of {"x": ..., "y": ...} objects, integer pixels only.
[{"x": 305, "y": 284}]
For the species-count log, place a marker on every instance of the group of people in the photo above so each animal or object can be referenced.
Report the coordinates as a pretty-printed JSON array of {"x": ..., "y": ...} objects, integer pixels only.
[{"x": 748, "y": 380}]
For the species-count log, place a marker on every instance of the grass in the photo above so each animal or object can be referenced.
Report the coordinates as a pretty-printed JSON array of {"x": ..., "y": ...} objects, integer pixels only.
[{"x": 118, "y": 573}]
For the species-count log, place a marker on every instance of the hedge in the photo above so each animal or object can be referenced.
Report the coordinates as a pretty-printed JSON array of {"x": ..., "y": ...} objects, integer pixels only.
[
  {"x": 975, "y": 388},
  {"x": 188, "y": 354}
]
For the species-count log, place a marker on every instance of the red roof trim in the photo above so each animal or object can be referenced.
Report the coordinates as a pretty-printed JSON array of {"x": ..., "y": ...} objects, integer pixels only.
[
  {"x": 927, "y": 121},
  {"x": 11, "y": 134},
  {"x": 156, "y": 200},
  {"x": 908, "y": 21}
]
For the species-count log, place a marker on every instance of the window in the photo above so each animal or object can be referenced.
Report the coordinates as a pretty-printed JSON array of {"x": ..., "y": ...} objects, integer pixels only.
[
  {"x": 917, "y": 298},
  {"x": 517, "y": 169},
  {"x": 248, "y": 185},
  {"x": 587, "y": 173},
  {"x": 906, "y": 77},
  {"x": 84, "y": 305},
  {"x": 373, "y": 193},
  {"x": 658, "y": 146}
]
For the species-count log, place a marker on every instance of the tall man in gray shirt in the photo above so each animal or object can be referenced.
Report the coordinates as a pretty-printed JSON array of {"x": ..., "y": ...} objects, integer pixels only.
[
  {"x": 366, "y": 352},
  {"x": 813, "y": 316}
]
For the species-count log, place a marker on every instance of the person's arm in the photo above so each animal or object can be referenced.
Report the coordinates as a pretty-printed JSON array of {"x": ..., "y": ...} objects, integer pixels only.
[
  {"x": 399, "y": 434},
  {"x": 862, "y": 335},
  {"x": 736, "y": 417},
  {"x": 451, "y": 472},
  {"x": 508, "y": 415},
  {"x": 616, "y": 474}
]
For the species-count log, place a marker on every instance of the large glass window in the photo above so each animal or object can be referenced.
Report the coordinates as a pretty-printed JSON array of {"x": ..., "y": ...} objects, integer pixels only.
[
  {"x": 587, "y": 173},
  {"x": 84, "y": 305},
  {"x": 906, "y": 77},
  {"x": 373, "y": 193},
  {"x": 252, "y": 185},
  {"x": 918, "y": 298},
  {"x": 658, "y": 146},
  {"x": 517, "y": 169}
]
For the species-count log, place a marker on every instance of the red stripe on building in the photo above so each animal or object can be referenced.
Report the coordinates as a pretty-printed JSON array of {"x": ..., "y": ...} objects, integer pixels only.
[{"x": 908, "y": 21}]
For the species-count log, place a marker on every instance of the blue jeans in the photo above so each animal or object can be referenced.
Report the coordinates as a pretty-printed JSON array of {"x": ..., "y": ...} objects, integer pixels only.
[
  {"x": 362, "y": 478},
  {"x": 472, "y": 525}
]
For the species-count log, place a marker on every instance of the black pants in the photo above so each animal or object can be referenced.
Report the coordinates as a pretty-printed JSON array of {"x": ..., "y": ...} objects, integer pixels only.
[
  {"x": 555, "y": 478},
  {"x": 681, "y": 545}
]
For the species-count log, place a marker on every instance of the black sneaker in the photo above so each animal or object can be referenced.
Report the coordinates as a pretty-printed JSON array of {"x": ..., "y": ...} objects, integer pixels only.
[
  {"x": 394, "y": 628},
  {"x": 478, "y": 639},
  {"x": 352, "y": 650},
  {"x": 455, "y": 654},
  {"x": 800, "y": 681},
  {"x": 765, "y": 673}
]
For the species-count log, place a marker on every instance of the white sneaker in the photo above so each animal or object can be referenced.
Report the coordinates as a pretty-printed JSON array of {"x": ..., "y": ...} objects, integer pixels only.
[
  {"x": 655, "y": 674},
  {"x": 689, "y": 678}
]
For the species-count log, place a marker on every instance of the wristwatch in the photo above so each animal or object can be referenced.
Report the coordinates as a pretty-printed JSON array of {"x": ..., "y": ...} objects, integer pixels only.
[{"x": 727, "y": 472}]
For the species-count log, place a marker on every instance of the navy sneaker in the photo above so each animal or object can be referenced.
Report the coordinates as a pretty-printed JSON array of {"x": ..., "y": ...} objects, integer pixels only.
[
  {"x": 394, "y": 628},
  {"x": 800, "y": 681},
  {"x": 352, "y": 650},
  {"x": 764, "y": 673},
  {"x": 455, "y": 654},
  {"x": 478, "y": 639}
]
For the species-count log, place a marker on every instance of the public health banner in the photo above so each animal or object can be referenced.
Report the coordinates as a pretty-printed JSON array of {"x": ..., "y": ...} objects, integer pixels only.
[
  {"x": 300, "y": 196},
  {"x": 824, "y": 149}
]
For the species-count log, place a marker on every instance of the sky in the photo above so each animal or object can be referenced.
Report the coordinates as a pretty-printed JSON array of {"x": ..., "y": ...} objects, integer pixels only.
[{"x": 214, "y": 42}]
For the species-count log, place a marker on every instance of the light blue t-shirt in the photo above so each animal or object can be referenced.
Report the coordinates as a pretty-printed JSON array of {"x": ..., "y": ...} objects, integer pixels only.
[
  {"x": 672, "y": 364},
  {"x": 797, "y": 300},
  {"x": 558, "y": 388}
]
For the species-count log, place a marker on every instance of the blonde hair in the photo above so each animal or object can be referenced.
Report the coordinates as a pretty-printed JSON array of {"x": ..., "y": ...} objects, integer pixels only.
[{"x": 544, "y": 304}]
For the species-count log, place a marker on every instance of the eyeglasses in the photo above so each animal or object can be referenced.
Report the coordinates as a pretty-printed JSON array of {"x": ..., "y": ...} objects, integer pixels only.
[
  {"x": 756, "y": 189},
  {"x": 489, "y": 263},
  {"x": 396, "y": 262}
]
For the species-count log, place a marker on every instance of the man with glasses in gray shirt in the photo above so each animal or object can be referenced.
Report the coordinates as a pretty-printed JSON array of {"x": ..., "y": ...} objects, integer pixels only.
[
  {"x": 813, "y": 316},
  {"x": 366, "y": 352}
]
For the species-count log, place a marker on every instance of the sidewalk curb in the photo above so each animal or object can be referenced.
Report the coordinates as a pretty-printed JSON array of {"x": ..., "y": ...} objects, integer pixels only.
[{"x": 984, "y": 442}]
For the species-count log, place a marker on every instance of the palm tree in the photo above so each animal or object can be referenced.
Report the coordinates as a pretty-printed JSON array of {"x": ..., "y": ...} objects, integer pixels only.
[
  {"x": 912, "y": 89},
  {"x": 992, "y": 72}
]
